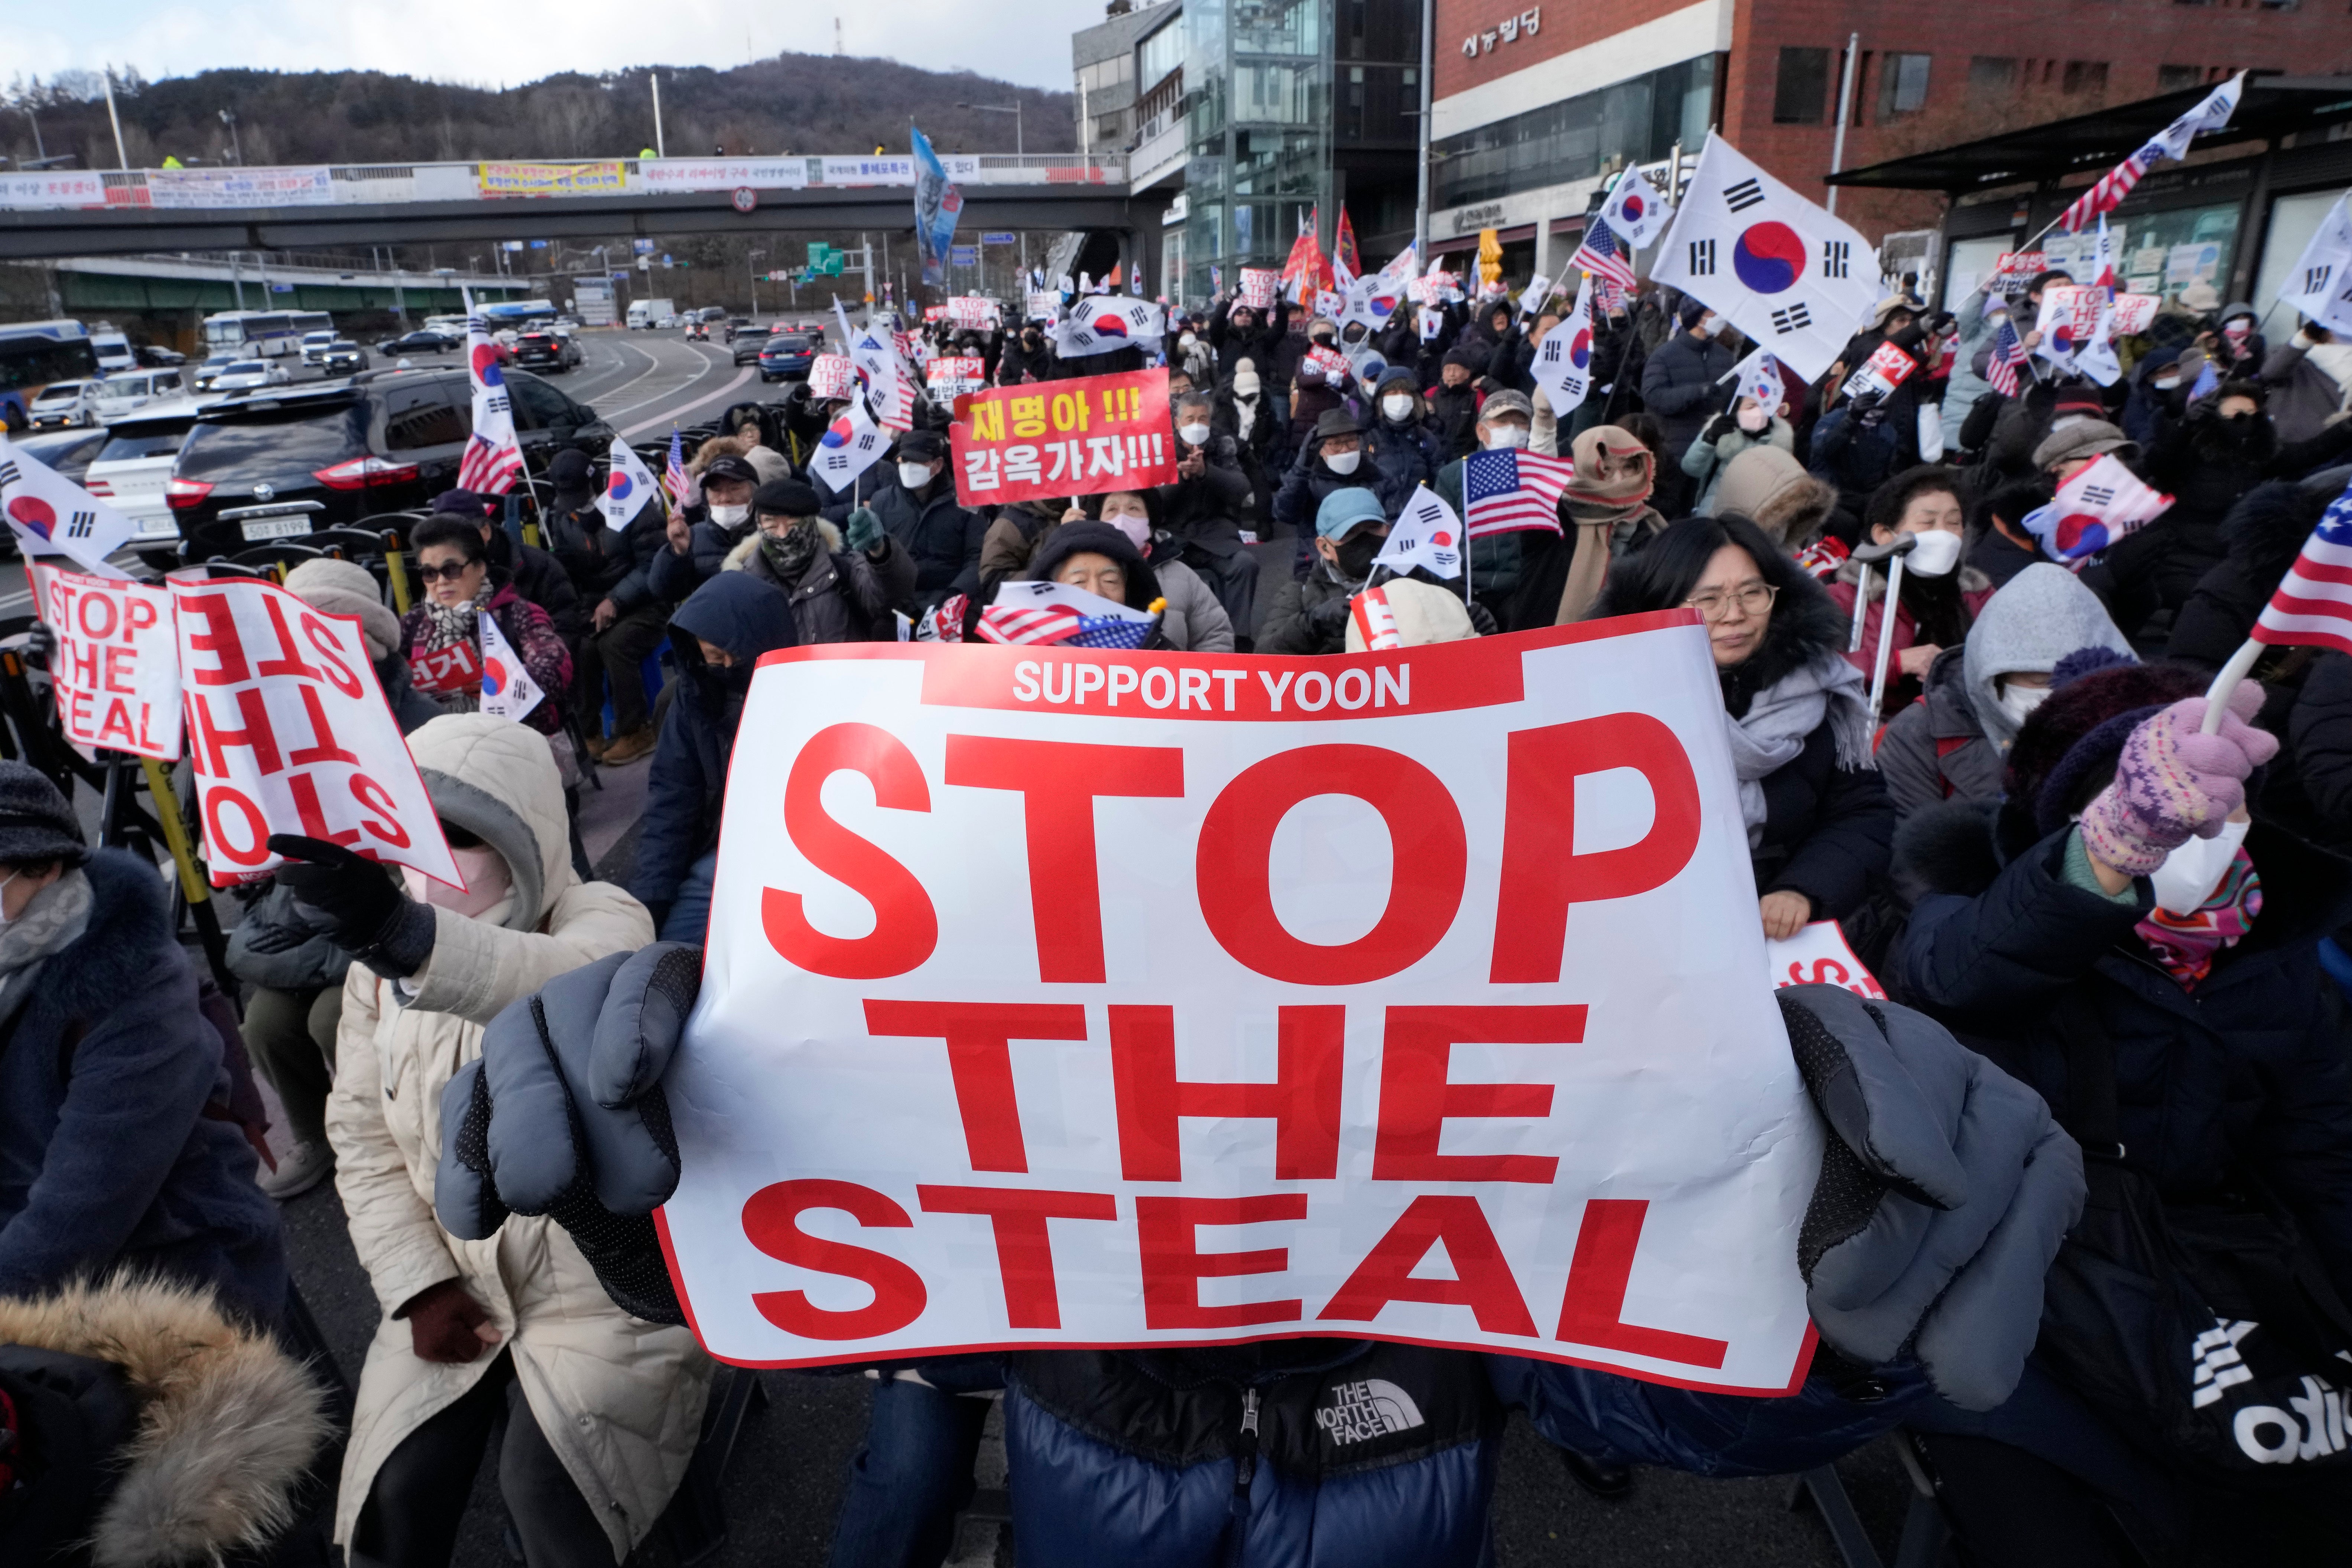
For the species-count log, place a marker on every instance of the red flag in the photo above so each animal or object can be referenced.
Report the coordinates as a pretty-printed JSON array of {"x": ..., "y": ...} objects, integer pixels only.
[
  {"x": 1306, "y": 268},
  {"x": 1345, "y": 266}
]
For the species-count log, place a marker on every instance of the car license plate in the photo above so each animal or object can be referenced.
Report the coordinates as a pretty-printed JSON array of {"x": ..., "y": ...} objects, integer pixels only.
[{"x": 255, "y": 528}]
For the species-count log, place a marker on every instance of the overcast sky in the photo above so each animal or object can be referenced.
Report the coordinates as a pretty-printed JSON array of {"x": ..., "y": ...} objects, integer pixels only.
[{"x": 1025, "y": 41}]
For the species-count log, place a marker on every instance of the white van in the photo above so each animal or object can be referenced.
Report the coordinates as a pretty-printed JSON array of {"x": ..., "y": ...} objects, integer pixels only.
[
  {"x": 133, "y": 472},
  {"x": 113, "y": 351},
  {"x": 119, "y": 394}
]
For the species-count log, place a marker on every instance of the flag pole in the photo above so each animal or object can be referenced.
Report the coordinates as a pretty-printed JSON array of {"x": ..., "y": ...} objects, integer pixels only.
[{"x": 2225, "y": 684}]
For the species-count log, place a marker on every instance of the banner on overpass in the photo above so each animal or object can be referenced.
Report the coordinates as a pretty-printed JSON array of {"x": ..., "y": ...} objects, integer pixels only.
[
  {"x": 552, "y": 179},
  {"x": 723, "y": 174},
  {"x": 886, "y": 170},
  {"x": 54, "y": 188},
  {"x": 275, "y": 187}
]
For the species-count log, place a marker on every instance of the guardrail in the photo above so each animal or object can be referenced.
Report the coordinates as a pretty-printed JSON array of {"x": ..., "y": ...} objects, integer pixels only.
[{"x": 493, "y": 181}]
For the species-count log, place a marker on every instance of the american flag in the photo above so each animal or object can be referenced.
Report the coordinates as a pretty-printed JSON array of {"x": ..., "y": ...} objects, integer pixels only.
[
  {"x": 492, "y": 456},
  {"x": 676, "y": 484},
  {"x": 2008, "y": 353},
  {"x": 1597, "y": 253},
  {"x": 2312, "y": 605},
  {"x": 1507, "y": 490},
  {"x": 487, "y": 468},
  {"x": 1061, "y": 623},
  {"x": 2111, "y": 189}
]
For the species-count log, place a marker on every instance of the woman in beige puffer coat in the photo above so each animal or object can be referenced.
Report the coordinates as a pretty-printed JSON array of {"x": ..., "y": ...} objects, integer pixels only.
[{"x": 617, "y": 1402}]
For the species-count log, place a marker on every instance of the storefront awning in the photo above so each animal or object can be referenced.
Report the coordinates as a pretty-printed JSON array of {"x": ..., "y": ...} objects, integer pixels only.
[{"x": 2089, "y": 144}]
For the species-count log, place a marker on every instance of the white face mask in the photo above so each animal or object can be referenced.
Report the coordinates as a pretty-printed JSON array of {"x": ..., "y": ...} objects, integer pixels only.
[
  {"x": 1397, "y": 406},
  {"x": 1710, "y": 326},
  {"x": 488, "y": 883},
  {"x": 1937, "y": 551},
  {"x": 1188, "y": 341},
  {"x": 2167, "y": 385},
  {"x": 2017, "y": 701},
  {"x": 1754, "y": 419},
  {"x": 2190, "y": 873},
  {"x": 1136, "y": 529},
  {"x": 729, "y": 516},
  {"x": 1194, "y": 435},
  {"x": 914, "y": 476},
  {"x": 1505, "y": 438},
  {"x": 1343, "y": 462}
]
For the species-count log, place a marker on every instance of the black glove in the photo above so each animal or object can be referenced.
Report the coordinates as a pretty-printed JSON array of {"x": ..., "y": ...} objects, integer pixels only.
[
  {"x": 1717, "y": 429},
  {"x": 41, "y": 642},
  {"x": 1945, "y": 1191},
  {"x": 1329, "y": 619},
  {"x": 564, "y": 1116},
  {"x": 355, "y": 901}
]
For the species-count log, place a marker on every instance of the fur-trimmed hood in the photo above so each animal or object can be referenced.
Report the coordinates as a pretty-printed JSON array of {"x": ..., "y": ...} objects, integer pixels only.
[
  {"x": 739, "y": 559},
  {"x": 228, "y": 1421}
]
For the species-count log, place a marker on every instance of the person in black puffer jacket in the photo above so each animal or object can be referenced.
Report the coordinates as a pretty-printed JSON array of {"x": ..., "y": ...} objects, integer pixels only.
[
  {"x": 1821, "y": 829},
  {"x": 1241, "y": 335},
  {"x": 1403, "y": 445},
  {"x": 1452, "y": 403},
  {"x": 2034, "y": 939},
  {"x": 1681, "y": 389},
  {"x": 1026, "y": 358}
]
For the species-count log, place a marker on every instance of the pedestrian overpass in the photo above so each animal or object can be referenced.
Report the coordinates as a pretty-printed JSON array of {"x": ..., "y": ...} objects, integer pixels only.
[{"x": 96, "y": 213}]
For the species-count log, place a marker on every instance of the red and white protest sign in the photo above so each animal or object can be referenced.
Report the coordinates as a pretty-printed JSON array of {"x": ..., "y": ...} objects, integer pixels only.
[
  {"x": 1820, "y": 955},
  {"x": 116, "y": 675},
  {"x": 1258, "y": 284},
  {"x": 971, "y": 310},
  {"x": 1077, "y": 437},
  {"x": 831, "y": 375},
  {"x": 951, "y": 374},
  {"x": 1120, "y": 999},
  {"x": 288, "y": 733},
  {"x": 2013, "y": 270},
  {"x": 2070, "y": 316},
  {"x": 1329, "y": 364},
  {"x": 457, "y": 668},
  {"x": 2134, "y": 314},
  {"x": 1887, "y": 368}
]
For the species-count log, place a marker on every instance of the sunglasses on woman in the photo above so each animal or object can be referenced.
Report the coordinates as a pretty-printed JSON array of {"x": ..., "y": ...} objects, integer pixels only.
[{"x": 453, "y": 571}]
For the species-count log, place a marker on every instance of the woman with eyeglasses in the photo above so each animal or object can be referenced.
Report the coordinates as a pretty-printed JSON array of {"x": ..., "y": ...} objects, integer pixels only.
[
  {"x": 1821, "y": 829},
  {"x": 460, "y": 584}
]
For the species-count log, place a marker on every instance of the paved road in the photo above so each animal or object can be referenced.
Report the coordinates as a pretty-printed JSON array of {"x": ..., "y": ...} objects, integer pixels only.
[{"x": 786, "y": 1480}]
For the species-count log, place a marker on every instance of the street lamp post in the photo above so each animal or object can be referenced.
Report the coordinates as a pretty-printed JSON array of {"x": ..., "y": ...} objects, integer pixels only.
[
  {"x": 752, "y": 265},
  {"x": 1014, "y": 109},
  {"x": 228, "y": 118}
]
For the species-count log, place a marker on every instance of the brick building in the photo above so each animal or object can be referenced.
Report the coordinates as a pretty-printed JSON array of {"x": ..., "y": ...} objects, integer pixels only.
[{"x": 1534, "y": 105}]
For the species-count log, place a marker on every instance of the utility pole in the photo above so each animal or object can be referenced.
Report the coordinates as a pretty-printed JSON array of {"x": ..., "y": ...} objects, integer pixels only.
[
  {"x": 752, "y": 265},
  {"x": 1846, "y": 107},
  {"x": 661, "y": 147},
  {"x": 228, "y": 118},
  {"x": 1421, "y": 201},
  {"x": 122, "y": 158}
]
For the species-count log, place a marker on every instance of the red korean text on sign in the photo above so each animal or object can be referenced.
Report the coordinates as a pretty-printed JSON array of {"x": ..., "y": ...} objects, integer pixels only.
[
  {"x": 288, "y": 733},
  {"x": 1052, "y": 439},
  {"x": 457, "y": 668}
]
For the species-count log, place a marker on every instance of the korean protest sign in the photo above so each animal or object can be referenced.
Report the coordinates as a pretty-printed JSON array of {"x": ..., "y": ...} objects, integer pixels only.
[
  {"x": 951, "y": 375},
  {"x": 1092, "y": 997},
  {"x": 453, "y": 667},
  {"x": 2013, "y": 270},
  {"x": 1887, "y": 368},
  {"x": 831, "y": 375},
  {"x": 1258, "y": 284},
  {"x": 288, "y": 733},
  {"x": 116, "y": 676},
  {"x": 1075, "y": 437}
]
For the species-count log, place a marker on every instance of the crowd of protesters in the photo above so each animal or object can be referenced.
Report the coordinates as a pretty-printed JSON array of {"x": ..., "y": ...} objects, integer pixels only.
[{"x": 2111, "y": 941}]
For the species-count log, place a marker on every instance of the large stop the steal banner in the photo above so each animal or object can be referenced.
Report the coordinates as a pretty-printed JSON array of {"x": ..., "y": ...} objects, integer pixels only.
[{"x": 1058, "y": 997}]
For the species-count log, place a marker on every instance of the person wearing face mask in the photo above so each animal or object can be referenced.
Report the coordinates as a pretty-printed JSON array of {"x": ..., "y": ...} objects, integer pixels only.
[
  {"x": 917, "y": 508},
  {"x": 1454, "y": 402},
  {"x": 1745, "y": 424},
  {"x": 701, "y": 537},
  {"x": 1313, "y": 393},
  {"x": 1243, "y": 413},
  {"x": 1027, "y": 357},
  {"x": 2001, "y": 546},
  {"x": 2118, "y": 919},
  {"x": 2236, "y": 348},
  {"x": 1207, "y": 509},
  {"x": 1681, "y": 389},
  {"x": 1953, "y": 743},
  {"x": 2152, "y": 382},
  {"x": 1401, "y": 438},
  {"x": 1939, "y": 596},
  {"x": 1309, "y": 614},
  {"x": 601, "y": 1412},
  {"x": 1512, "y": 365},
  {"x": 716, "y": 640},
  {"x": 2310, "y": 382},
  {"x": 1856, "y": 448},
  {"x": 842, "y": 589},
  {"x": 1819, "y": 823},
  {"x": 1332, "y": 459},
  {"x": 1514, "y": 578},
  {"x": 1610, "y": 518},
  {"x": 1242, "y": 333},
  {"x": 118, "y": 1146}
]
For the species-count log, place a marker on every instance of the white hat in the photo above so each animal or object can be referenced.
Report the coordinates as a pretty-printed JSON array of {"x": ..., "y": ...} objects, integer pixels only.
[{"x": 1424, "y": 612}]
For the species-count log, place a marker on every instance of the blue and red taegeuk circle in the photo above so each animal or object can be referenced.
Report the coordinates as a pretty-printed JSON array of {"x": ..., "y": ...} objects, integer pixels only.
[
  {"x": 1632, "y": 207},
  {"x": 1580, "y": 348},
  {"x": 1768, "y": 257},
  {"x": 485, "y": 365},
  {"x": 494, "y": 677}
]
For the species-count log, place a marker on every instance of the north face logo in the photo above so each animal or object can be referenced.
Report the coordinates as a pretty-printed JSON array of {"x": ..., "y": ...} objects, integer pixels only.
[{"x": 1360, "y": 1412}]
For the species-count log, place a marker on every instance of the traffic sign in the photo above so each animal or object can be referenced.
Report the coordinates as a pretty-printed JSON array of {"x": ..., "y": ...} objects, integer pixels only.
[{"x": 997, "y": 237}]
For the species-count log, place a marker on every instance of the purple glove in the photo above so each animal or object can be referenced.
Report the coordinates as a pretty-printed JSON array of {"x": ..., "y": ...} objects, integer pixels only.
[{"x": 2172, "y": 783}]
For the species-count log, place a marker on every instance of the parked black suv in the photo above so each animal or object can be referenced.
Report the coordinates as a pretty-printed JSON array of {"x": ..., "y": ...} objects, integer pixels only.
[
  {"x": 295, "y": 459},
  {"x": 546, "y": 352}
]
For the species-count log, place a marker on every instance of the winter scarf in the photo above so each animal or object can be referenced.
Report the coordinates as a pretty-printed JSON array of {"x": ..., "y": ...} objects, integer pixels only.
[
  {"x": 55, "y": 916},
  {"x": 1609, "y": 514},
  {"x": 789, "y": 556},
  {"x": 2186, "y": 945},
  {"x": 445, "y": 625},
  {"x": 1769, "y": 736}
]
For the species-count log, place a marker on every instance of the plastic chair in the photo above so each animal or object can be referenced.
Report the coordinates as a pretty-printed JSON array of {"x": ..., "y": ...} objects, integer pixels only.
[
  {"x": 276, "y": 558},
  {"x": 354, "y": 544},
  {"x": 1926, "y": 1531}
]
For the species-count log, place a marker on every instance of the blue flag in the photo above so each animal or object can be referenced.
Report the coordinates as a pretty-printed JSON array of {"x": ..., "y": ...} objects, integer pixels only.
[{"x": 938, "y": 205}]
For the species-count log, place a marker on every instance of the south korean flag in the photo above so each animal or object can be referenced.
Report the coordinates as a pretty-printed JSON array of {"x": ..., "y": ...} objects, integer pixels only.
[
  {"x": 2320, "y": 285},
  {"x": 1634, "y": 211},
  {"x": 1563, "y": 360},
  {"x": 1098, "y": 326},
  {"x": 1776, "y": 267},
  {"x": 52, "y": 515}
]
